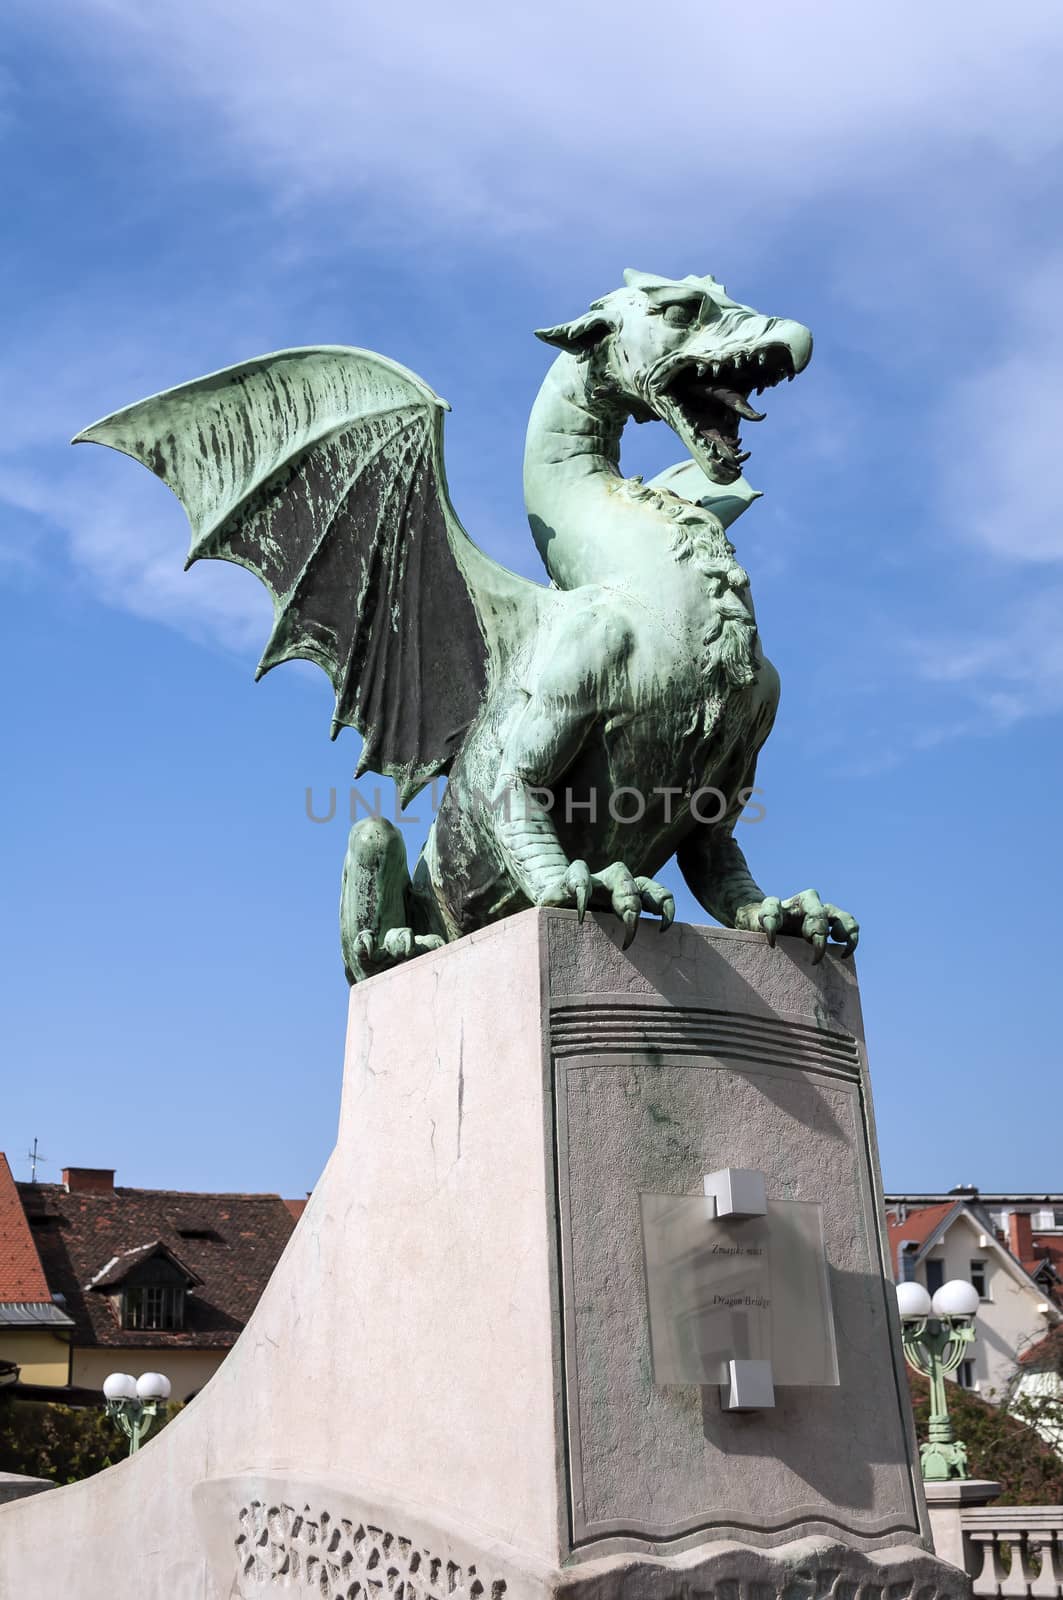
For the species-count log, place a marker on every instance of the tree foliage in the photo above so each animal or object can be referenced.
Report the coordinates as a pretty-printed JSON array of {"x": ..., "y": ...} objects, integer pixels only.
[
  {"x": 45, "y": 1439},
  {"x": 1000, "y": 1446}
]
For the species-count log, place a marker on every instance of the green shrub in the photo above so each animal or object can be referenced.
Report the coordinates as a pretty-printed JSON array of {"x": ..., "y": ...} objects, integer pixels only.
[
  {"x": 44, "y": 1439},
  {"x": 999, "y": 1446}
]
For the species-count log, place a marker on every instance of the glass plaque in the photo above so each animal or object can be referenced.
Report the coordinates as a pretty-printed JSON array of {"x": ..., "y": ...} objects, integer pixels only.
[{"x": 749, "y": 1289}]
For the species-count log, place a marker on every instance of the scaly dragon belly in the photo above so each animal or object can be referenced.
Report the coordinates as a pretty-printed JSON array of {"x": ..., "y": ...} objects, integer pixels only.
[{"x": 640, "y": 784}]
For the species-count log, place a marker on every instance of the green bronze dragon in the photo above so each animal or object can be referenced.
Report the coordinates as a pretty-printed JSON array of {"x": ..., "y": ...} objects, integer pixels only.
[{"x": 578, "y": 724}]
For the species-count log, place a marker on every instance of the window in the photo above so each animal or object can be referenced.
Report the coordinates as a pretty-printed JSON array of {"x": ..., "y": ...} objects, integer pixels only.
[
  {"x": 965, "y": 1375},
  {"x": 154, "y": 1305},
  {"x": 935, "y": 1276},
  {"x": 1057, "y": 1219},
  {"x": 978, "y": 1279}
]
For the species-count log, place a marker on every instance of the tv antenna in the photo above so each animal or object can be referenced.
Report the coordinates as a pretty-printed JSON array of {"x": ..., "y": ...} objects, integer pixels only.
[{"x": 34, "y": 1157}]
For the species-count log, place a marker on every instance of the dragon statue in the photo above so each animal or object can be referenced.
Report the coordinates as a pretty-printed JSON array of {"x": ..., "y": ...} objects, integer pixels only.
[{"x": 578, "y": 724}]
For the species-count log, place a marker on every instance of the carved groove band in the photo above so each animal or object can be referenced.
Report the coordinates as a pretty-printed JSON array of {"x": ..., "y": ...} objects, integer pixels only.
[{"x": 698, "y": 1030}]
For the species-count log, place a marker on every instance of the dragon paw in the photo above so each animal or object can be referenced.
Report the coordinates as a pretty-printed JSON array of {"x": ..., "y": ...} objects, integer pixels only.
[
  {"x": 375, "y": 954},
  {"x": 805, "y": 914},
  {"x": 615, "y": 888}
]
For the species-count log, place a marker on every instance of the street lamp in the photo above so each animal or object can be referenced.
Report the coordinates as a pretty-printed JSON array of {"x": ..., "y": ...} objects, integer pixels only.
[
  {"x": 134, "y": 1403},
  {"x": 936, "y": 1334}
]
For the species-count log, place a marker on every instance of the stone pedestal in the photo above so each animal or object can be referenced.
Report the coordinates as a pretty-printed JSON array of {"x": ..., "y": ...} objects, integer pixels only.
[
  {"x": 447, "y": 1387},
  {"x": 946, "y": 1503}
]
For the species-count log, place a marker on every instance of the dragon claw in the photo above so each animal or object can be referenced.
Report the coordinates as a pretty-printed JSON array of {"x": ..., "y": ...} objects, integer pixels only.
[
  {"x": 578, "y": 882},
  {"x": 805, "y": 914},
  {"x": 614, "y": 887},
  {"x": 371, "y": 952}
]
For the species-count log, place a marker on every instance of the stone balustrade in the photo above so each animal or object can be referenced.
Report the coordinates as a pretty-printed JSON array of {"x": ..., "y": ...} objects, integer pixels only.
[{"x": 1014, "y": 1551}]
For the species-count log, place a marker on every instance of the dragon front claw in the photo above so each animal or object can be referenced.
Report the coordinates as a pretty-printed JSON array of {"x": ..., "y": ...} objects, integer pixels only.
[
  {"x": 374, "y": 952},
  {"x": 815, "y": 920},
  {"x": 615, "y": 889}
]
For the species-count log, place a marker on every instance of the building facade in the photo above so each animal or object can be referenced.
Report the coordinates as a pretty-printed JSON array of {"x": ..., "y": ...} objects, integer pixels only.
[
  {"x": 988, "y": 1241},
  {"x": 148, "y": 1279}
]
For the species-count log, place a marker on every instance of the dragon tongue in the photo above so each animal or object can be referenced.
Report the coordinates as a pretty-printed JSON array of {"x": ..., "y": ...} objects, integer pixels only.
[{"x": 737, "y": 402}]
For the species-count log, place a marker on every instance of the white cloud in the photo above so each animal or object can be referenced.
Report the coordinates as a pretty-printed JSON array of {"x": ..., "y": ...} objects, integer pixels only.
[
  {"x": 591, "y": 123},
  {"x": 1011, "y": 671},
  {"x": 505, "y": 115},
  {"x": 128, "y": 543},
  {"x": 1001, "y": 427},
  {"x": 131, "y": 549}
]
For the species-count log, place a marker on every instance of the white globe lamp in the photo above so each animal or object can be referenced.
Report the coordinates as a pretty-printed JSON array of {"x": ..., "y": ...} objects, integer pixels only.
[
  {"x": 120, "y": 1386},
  {"x": 958, "y": 1298},
  {"x": 133, "y": 1404},
  {"x": 153, "y": 1386},
  {"x": 912, "y": 1301}
]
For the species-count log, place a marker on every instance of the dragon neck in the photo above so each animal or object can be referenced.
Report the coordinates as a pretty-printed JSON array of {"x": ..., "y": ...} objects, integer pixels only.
[{"x": 589, "y": 522}]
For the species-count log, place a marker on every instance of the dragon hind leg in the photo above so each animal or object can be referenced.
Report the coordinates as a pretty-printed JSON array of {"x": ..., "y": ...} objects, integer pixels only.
[{"x": 381, "y": 920}]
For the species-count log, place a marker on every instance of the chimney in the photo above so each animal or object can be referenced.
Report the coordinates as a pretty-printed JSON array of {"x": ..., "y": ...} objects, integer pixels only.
[
  {"x": 89, "y": 1180},
  {"x": 1020, "y": 1234}
]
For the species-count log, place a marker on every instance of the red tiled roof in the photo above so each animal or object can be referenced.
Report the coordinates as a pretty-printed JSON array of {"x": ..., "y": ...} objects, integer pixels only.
[
  {"x": 117, "y": 1270},
  {"x": 1048, "y": 1252},
  {"x": 21, "y": 1273},
  {"x": 1049, "y": 1247},
  {"x": 1047, "y": 1351},
  {"x": 917, "y": 1227},
  {"x": 230, "y": 1242},
  {"x": 296, "y": 1207}
]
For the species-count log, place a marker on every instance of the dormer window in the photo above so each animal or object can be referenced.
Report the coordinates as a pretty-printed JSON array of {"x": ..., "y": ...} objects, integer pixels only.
[
  {"x": 147, "y": 1287},
  {"x": 158, "y": 1306}
]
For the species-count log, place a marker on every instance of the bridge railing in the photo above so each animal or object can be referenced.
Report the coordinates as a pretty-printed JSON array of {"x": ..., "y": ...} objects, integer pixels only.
[{"x": 1015, "y": 1552}]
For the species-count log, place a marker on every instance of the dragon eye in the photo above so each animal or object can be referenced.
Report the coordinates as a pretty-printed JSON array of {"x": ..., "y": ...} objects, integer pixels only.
[{"x": 679, "y": 315}]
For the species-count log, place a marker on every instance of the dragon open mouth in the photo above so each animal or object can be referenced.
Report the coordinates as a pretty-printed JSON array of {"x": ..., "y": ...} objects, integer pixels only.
[{"x": 706, "y": 400}]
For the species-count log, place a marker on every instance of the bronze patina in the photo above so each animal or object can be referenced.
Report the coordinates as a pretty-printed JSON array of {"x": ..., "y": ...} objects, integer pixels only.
[{"x": 580, "y": 725}]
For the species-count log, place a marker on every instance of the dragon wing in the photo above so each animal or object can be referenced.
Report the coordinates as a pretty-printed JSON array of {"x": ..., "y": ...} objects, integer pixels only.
[{"x": 321, "y": 470}]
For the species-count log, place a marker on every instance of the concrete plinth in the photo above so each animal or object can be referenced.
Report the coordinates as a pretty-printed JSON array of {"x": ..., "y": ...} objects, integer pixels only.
[
  {"x": 946, "y": 1503},
  {"x": 447, "y": 1386}
]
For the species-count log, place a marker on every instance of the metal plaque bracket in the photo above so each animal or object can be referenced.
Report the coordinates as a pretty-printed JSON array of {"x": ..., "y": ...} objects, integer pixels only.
[
  {"x": 750, "y": 1387},
  {"x": 737, "y": 1191},
  {"x": 740, "y": 1192}
]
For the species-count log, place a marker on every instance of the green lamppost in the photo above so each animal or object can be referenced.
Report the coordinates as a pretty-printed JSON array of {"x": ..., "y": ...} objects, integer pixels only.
[
  {"x": 937, "y": 1334},
  {"x": 134, "y": 1403}
]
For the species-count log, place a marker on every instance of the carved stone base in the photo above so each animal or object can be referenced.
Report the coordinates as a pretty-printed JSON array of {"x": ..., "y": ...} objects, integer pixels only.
[
  {"x": 447, "y": 1388},
  {"x": 273, "y": 1537}
]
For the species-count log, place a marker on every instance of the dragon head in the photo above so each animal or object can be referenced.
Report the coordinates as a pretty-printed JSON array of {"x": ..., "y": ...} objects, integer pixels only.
[{"x": 682, "y": 351}]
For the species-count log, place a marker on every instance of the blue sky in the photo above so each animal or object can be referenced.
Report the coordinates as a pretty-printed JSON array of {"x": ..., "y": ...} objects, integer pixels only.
[{"x": 191, "y": 185}]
